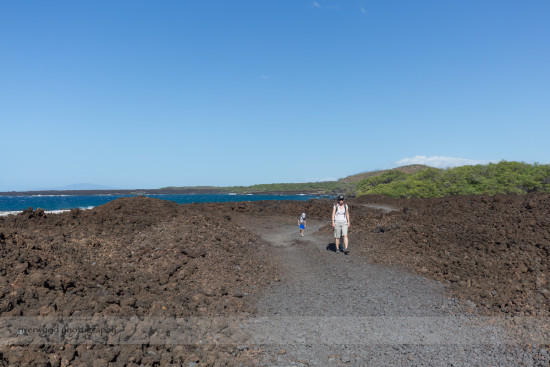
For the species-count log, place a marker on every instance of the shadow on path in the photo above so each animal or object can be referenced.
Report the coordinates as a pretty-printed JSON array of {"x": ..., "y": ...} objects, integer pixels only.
[{"x": 332, "y": 247}]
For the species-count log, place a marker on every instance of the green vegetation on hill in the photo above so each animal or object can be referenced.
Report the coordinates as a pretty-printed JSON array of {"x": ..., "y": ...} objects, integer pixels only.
[
  {"x": 313, "y": 187},
  {"x": 413, "y": 168},
  {"x": 500, "y": 178},
  {"x": 415, "y": 181},
  {"x": 320, "y": 188}
]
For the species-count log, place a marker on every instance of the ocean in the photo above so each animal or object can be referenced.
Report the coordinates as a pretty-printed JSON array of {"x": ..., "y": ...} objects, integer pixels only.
[{"x": 57, "y": 203}]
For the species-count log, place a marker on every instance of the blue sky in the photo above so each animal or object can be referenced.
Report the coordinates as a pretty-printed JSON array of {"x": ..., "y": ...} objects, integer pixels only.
[{"x": 147, "y": 94}]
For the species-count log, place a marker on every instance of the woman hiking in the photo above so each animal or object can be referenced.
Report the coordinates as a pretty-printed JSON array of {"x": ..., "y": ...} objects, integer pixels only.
[{"x": 341, "y": 224}]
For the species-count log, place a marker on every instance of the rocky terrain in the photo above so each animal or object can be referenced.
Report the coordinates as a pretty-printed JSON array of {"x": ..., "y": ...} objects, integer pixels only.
[
  {"x": 137, "y": 256},
  {"x": 151, "y": 258},
  {"x": 493, "y": 251}
]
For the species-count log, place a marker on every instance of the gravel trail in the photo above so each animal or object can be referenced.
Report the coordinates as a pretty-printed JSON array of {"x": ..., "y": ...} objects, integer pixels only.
[{"x": 331, "y": 309}]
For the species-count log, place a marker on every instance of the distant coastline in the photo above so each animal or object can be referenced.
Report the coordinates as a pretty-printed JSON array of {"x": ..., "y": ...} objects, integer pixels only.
[
  {"x": 111, "y": 192},
  {"x": 401, "y": 182},
  {"x": 47, "y": 202},
  {"x": 345, "y": 185},
  {"x": 185, "y": 191}
]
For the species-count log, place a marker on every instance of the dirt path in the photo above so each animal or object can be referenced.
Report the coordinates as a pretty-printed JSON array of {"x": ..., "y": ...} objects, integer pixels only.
[{"x": 336, "y": 309}]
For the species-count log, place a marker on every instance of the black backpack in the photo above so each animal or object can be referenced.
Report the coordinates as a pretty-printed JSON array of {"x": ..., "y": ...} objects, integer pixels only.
[{"x": 345, "y": 207}]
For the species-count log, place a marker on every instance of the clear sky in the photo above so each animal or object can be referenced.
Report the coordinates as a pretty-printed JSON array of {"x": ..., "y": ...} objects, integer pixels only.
[{"x": 147, "y": 94}]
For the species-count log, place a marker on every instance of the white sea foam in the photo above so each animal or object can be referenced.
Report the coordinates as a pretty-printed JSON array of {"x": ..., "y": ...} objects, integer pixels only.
[
  {"x": 46, "y": 196},
  {"x": 15, "y": 212},
  {"x": 5, "y": 214},
  {"x": 57, "y": 211}
]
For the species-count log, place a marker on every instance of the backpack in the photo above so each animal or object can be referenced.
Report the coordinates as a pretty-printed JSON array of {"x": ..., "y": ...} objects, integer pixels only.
[{"x": 345, "y": 207}]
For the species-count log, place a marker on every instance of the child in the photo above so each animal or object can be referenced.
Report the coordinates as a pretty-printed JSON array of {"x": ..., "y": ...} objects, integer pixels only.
[{"x": 302, "y": 224}]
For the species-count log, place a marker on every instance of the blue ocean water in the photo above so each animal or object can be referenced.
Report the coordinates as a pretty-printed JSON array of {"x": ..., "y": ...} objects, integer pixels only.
[{"x": 62, "y": 202}]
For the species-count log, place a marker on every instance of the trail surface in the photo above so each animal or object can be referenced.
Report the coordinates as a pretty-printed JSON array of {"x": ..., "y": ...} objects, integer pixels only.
[{"x": 335, "y": 309}]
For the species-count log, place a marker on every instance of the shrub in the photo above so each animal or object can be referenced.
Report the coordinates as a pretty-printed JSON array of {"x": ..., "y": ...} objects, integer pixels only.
[{"x": 495, "y": 178}]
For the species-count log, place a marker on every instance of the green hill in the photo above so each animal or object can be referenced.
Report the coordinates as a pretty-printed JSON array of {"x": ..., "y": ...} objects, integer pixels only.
[
  {"x": 319, "y": 188},
  {"x": 413, "y": 168},
  {"x": 413, "y": 181},
  {"x": 345, "y": 185},
  {"x": 500, "y": 178},
  {"x": 314, "y": 188}
]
